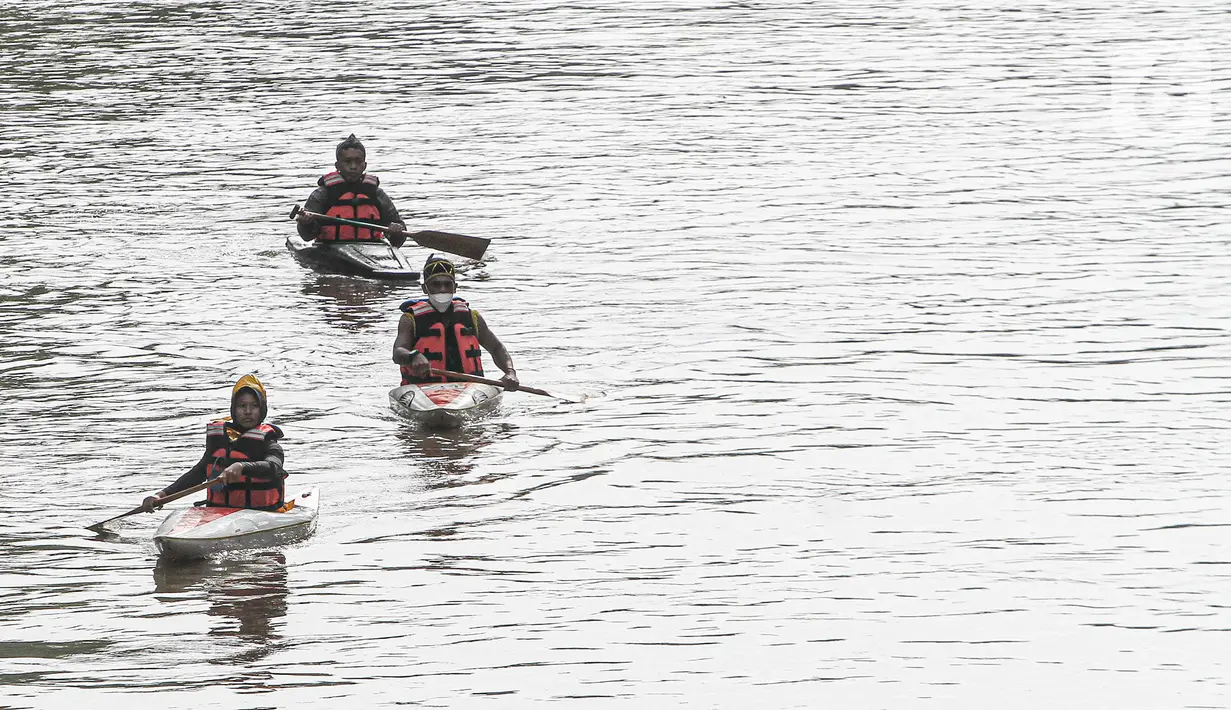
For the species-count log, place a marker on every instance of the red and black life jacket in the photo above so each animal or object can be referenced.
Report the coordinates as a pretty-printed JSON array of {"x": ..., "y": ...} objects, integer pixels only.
[
  {"x": 350, "y": 201},
  {"x": 258, "y": 493},
  {"x": 448, "y": 340}
]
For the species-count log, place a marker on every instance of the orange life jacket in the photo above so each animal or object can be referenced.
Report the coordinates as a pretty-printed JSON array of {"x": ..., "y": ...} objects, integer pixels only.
[
  {"x": 350, "y": 202},
  {"x": 252, "y": 492},
  {"x": 449, "y": 340}
]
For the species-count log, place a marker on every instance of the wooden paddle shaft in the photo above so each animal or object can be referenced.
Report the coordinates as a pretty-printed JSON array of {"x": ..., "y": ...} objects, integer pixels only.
[
  {"x": 338, "y": 220},
  {"x": 378, "y": 227},
  {"x": 161, "y": 501},
  {"x": 485, "y": 381},
  {"x": 460, "y": 244},
  {"x": 188, "y": 491}
]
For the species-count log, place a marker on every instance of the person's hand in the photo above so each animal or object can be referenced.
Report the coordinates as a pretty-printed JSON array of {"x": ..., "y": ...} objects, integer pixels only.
[
  {"x": 510, "y": 380},
  {"x": 147, "y": 505},
  {"x": 396, "y": 234},
  {"x": 305, "y": 219},
  {"x": 233, "y": 473},
  {"x": 420, "y": 366}
]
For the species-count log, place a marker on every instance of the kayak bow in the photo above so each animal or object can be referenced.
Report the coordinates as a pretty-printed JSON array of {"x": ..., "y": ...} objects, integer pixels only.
[
  {"x": 444, "y": 405},
  {"x": 202, "y": 531}
]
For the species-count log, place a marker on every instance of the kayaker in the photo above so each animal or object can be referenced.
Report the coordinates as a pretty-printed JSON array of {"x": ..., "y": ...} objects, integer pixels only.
[
  {"x": 442, "y": 331},
  {"x": 350, "y": 193},
  {"x": 242, "y": 452}
]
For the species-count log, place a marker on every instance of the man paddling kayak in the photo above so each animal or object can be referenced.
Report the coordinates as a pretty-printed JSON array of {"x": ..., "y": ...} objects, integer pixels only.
[
  {"x": 242, "y": 453},
  {"x": 350, "y": 193},
  {"x": 443, "y": 332}
]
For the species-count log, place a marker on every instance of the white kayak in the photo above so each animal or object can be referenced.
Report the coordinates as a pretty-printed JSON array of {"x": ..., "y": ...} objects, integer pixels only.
[
  {"x": 202, "y": 531},
  {"x": 444, "y": 405}
]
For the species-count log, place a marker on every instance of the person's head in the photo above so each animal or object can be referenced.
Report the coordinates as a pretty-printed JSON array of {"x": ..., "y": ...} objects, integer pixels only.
[
  {"x": 352, "y": 159},
  {"x": 439, "y": 281},
  {"x": 248, "y": 403},
  {"x": 247, "y": 409}
]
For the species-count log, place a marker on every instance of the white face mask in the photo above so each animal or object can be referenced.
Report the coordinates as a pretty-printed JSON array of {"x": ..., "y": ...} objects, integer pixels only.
[{"x": 440, "y": 301}]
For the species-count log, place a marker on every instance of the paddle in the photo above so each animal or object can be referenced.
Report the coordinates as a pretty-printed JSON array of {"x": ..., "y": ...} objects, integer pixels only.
[
  {"x": 98, "y": 527},
  {"x": 460, "y": 244},
  {"x": 497, "y": 383}
]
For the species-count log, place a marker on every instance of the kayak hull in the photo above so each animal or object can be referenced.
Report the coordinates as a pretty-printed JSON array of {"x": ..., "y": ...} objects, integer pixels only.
[
  {"x": 444, "y": 405},
  {"x": 375, "y": 260},
  {"x": 202, "y": 531}
]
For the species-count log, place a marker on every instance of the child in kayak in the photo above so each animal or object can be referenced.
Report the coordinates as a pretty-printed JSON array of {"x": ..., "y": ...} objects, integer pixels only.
[{"x": 241, "y": 452}]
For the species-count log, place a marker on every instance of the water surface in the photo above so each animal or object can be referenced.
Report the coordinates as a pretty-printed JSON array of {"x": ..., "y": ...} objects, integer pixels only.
[{"x": 905, "y": 331}]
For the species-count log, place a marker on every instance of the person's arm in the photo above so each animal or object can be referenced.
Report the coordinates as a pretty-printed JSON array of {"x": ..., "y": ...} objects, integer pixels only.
[
  {"x": 195, "y": 475},
  {"x": 308, "y": 227},
  {"x": 403, "y": 347},
  {"x": 269, "y": 468},
  {"x": 495, "y": 348},
  {"x": 390, "y": 217}
]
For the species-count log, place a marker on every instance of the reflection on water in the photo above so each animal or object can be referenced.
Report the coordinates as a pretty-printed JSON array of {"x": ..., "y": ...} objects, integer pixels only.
[
  {"x": 447, "y": 457},
  {"x": 353, "y": 303},
  {"x": 246, "y": 593}
]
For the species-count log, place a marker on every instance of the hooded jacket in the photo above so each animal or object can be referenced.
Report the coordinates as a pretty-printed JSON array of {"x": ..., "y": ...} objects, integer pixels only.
[{"x": 256, "y": 449}]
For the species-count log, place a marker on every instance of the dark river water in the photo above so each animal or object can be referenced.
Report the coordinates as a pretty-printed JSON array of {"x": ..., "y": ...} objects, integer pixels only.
[{"x": 904, "y": 331}]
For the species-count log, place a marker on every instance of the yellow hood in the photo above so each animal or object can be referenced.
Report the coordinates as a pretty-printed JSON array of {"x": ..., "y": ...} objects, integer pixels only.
[{"x": 250, "y": 382}]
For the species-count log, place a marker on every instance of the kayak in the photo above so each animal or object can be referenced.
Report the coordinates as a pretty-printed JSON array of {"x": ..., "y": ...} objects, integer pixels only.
[
  {"x": 375, "y": 260},
  {"x": 202, "y": 531},
  {"x": 444, "y": 405}
]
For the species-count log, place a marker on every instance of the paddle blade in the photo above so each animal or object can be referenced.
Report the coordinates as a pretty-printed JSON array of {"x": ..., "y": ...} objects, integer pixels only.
[
  {"x": 110, "y": 525},
  {"x": 111, "y": 528},
  {"x": 158, "y": 503},
  {"x": 460, "y": 244}
]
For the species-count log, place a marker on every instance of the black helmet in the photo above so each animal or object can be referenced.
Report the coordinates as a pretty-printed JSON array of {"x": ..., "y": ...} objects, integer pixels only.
[{"x": 437, "y": 265}]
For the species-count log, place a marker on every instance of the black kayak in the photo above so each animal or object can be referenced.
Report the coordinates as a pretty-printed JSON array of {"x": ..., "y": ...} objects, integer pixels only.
[{"x": 375, "y": 260}]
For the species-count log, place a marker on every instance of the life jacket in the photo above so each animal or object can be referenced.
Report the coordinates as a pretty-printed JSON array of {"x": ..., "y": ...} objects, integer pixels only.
[
  {"x": 449, "y": 340},
  {"x": 258, "y": 493},
  {"x": 350, "y": 201}
]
